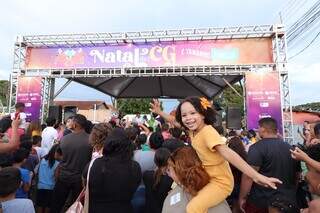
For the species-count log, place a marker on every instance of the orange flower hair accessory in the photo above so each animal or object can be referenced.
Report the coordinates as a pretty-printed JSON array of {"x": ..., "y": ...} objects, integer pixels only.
[{"x": 205, "y": 103}]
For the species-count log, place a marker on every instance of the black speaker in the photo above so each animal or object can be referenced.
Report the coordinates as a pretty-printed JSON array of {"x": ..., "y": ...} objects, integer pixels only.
[
  {"x": 218, "y": 118},
  {"x": 69, "y": 111},
  {"x": 55, "y": 112},
  {"x": 233, "y": 118}
]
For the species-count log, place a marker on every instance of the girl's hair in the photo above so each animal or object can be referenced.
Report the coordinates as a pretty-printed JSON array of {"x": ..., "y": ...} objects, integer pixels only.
[
  {"x": 98, "y": 134},
  {"x": 209, "y": 113},
  {"x": 50, "y": 156},
  {"x": 118, "y": 145},
  {"x": 236, "y": 145},
  {"x": 161, "y": 160},
  {"x": 34, "y": 125},
  {"x": 188, "y": 169}
]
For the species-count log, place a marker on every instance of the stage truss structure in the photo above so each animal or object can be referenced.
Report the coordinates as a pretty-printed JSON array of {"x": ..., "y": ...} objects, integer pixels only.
[{"x": 276, "y": 32}]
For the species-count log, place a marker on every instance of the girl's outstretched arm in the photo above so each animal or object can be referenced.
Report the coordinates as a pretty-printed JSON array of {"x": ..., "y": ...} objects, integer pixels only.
[{"x": 233, "y": 158}]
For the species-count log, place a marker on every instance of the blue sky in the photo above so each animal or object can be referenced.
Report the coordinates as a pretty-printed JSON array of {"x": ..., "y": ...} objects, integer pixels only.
[{"x": 27, "y": 17}]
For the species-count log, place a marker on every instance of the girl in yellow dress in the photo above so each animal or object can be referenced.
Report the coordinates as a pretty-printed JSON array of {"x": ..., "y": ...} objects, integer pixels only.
[{"x": 197, "y": 116}]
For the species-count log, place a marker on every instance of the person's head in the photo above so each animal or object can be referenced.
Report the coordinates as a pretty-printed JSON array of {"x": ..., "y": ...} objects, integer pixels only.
[
  {"x": 50, "y": 121},
  {"x": 36, "y": 140},
  {"x": 244, "y": 133},
  {"x": 69, "y": 122},
  {"x": 267, "y": 127},
  {"x": 316, "y": 130},
  {"x": 306, "y": 124},
  {"x": 236, "y": 145},
  {"x": 118, "y": 145},
  {"x": 175, "y": 132},
  {"x": 194, "y": 112},
  {"x": 10, "y": 180},
  {"x": 252, "y": 133},
  {"x": 34, "y": 126},
  {"x": 88, "y": 127},
  {"x": 43, "y": 126},
  {"x": 141, "y": 139},
  {"x": 20, "y": 156},
  {"x": 79, "y": 122},
  {"x": 98, "y": 135},
  {"x": 50, "y": 157},
  {"x": 19, "y": 107},
  {"x": 185, "y": 168},
  {"x": 26, "y": 142},
  {"x": 165, "y": 127},
  {"x": 132, "y": 132},
  {"x": 161, "y": 160},
  {"x": 156, "y": 140},
  {"x": 5, "y": 124}
]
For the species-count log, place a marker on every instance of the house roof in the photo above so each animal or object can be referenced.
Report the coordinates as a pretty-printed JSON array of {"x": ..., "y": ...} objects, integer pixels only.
[{"x": 81, "y": 104}]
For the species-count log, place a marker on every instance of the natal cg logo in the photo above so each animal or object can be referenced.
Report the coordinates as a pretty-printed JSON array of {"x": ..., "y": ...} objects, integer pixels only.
[
  {"x": 225, "y": 54},
  {"x": 135, "y": 56}
]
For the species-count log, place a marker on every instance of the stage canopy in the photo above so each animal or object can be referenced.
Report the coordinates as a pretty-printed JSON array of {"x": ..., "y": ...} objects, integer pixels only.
[{"x": 160, "y": 86}]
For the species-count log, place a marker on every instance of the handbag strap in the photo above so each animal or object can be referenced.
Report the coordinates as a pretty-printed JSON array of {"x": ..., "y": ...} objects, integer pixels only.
[{"x": 86, "y": 198}]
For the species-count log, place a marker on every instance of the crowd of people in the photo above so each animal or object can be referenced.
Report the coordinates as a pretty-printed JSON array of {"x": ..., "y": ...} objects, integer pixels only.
[{"x": 168, "y": 163}]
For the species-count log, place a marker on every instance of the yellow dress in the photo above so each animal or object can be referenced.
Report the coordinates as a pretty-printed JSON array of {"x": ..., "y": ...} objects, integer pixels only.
[
  {"x": 221, "y": 183},
  {"x": 36, "y": 133}
]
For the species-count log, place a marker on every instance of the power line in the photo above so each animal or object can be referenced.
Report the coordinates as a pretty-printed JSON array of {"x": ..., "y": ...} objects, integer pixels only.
[{"x": 306, "y": 47}]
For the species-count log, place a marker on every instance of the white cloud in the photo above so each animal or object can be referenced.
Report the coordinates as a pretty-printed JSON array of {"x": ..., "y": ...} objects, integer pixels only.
[
  {"x": 4, "y": 74},
  {"x": 301, "y": 73},
  {"x": 304, "y": 82}
]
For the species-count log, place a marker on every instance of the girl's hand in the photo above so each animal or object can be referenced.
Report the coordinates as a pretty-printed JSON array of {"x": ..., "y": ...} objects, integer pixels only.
[
  {"x": 268, "y": 182},
  {"x": 15, "y": 123},
  {"x": 155, "y": 106},
  {"x": 298, "y": 154}
]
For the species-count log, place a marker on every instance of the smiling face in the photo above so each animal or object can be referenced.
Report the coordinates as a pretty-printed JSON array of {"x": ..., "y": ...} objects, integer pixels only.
[{"x": 191, "y": 118}]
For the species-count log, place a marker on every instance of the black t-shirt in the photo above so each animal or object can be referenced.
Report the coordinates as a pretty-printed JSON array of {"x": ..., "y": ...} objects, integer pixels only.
[
  {"x": 155, "y": 196},
  {"x": 112, "y": 184},
  {"x": 76, "y": 152},
  {"x": 274, "y": 159}
]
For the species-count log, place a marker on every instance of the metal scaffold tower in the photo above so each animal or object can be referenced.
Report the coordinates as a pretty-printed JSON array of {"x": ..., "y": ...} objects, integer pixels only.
[{"x": 276, "y": 32}]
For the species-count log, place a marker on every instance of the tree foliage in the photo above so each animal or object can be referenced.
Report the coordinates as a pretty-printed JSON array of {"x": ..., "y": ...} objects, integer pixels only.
[
  {"x": 315, "y": 106},
  {"x": 134, "y": 105},
  {"x": 229, "y": 98},
  {"x": 4, "y": 88}
]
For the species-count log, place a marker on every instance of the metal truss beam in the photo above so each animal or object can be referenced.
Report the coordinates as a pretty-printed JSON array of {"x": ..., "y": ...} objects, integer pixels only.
[
  {"x": 18, "y": 62},
  {"x": 147, "y": 71},
  {"x": 96, "y": 39},
  {"x": 280, "y": 59}
]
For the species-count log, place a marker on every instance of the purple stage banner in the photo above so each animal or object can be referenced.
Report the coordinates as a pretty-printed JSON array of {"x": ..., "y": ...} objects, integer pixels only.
[
  {"x": 178, "y": 53},
  {"x": 263, "y": 98},
  {"x": 29, "y": 93}
]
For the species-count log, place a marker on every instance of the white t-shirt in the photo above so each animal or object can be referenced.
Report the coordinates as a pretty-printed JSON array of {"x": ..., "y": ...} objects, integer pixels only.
[
  {"x": 49, "y": 134},
  {"x": 23, "y": 117},
  {"x": 41, "y": 152},
  {"x": 18, "y": 205}
]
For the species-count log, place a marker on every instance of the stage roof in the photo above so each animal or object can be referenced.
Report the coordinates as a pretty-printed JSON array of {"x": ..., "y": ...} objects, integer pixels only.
[{"x": 160, "y": 86}]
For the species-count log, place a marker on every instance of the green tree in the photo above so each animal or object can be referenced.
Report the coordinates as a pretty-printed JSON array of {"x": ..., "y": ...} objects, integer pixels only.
[
  {"x": 134, "y": 105},
  {"x": 315, "y": 106},
  {"x": 4, "y": 88},
  {"x": 229, "y": 98}
]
